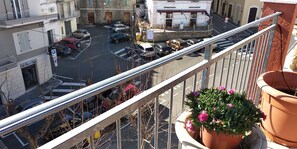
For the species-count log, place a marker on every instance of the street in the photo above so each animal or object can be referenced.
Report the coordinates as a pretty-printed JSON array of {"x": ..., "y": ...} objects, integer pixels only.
[{"x": 102, "y": 59}]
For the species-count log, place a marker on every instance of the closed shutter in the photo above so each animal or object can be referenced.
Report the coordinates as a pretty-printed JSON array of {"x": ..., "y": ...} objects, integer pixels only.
[{"x": 24, "y": 41}]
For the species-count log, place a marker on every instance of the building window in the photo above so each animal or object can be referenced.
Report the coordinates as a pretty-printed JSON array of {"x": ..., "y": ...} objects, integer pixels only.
[
  {"x": 168, "y": 15},
  {"x": 126, "y": 2},
  {"x": 16, "y": 8},
  {"x": 62, "y": 30},
  {"x": 107, "y": 2},
  {"x": 193, "y": 15}
]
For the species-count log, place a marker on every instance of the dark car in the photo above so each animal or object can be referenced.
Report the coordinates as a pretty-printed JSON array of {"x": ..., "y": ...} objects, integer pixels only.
[
  {"x": 162, "y": 49},
  {"x": 71, "y": 42},
  {"x": 176, "y": 44},
  {"x": 119, "y": 37},
  {"x": 60, "y": 49}
]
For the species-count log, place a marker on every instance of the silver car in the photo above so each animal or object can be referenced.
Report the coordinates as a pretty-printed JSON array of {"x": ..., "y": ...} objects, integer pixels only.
[{"x": 81, "y": 33}]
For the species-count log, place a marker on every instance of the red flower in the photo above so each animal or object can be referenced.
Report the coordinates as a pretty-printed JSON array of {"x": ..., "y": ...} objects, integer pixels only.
[
  {"x": 203, "y": 116},
  {"x": 190, "y": 126}
]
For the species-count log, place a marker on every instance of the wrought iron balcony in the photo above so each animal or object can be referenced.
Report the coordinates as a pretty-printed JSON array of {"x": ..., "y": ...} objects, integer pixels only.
[{"x": 230, "y": 67}]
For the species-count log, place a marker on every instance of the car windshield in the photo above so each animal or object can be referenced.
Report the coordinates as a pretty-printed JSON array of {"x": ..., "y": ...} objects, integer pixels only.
[{"x": 149, "y": 49}]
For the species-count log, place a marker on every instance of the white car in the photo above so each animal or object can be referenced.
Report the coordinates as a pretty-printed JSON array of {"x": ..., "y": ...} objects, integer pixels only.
[
  {"x": 119, "y": 27},
  {"x": 145, "y": 50},
  {"x": 81, "y": 33}
]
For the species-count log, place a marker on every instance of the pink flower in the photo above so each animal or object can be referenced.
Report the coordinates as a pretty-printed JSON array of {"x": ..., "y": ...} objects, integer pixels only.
[
  {"x": 263, "y": 115},
  {"x": 196, "y": 93},
  {"x": 231, "y": 91},
  {"x": 203, "y": 116},
  {"x": 230, "y": 105},
  {"x": 190, "y": 127},
  {"x": 221, "y": 88},
  {"x": 214, "y": 109},
  {"x": 214, "y": 120}
]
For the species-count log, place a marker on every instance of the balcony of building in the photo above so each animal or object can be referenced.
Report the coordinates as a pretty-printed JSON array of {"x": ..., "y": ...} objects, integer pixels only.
[{"x": 237, "y": 67}]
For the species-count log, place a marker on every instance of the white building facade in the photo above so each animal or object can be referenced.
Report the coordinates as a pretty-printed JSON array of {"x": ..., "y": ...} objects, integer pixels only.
[{"x": 173, "y": 13}]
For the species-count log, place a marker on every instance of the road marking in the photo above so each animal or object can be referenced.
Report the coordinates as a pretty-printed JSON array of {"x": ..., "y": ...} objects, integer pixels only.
[
  {"x": 63, "y": 77},
  {"x": 73, "y": 84},
  {"x": 62, "y": 90},
  {"x": 50, "y": 97},
  {"x": 117, "y": 52},
  {"x": 17, "y": 137}
]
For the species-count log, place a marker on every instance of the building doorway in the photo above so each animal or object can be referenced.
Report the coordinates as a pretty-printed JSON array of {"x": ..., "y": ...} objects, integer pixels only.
[
  {"x": 68, "y": 27},
  {"x": 193, "y": 19},
  {"x": 50, "y": 37},
  {"x": 218, "y": 4},
  {"x": 223, "y": 9},
  {"x": 169, "y": 20},
  {"x": 108, "y": 17},
  {"x": 127, "y": 17},
  {"x": 91, "y": 18},
  {"x": 230, "y": 12},
  {"x": 30, "y": 76},
  {"x": 252, "y": 15}
]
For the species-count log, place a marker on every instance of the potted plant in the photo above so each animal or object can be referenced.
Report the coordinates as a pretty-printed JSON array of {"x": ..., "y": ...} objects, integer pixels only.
[
  {"x": 220, "y": 118},
  {"x": 279, "y": 102}
]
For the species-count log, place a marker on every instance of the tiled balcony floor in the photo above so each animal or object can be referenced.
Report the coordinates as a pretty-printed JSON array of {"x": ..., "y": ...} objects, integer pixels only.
[{"x": 272, "y": 145}]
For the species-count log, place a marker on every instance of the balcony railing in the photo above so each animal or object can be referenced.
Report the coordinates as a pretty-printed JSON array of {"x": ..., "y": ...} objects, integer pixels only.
[{"x": 230, "y": 67}]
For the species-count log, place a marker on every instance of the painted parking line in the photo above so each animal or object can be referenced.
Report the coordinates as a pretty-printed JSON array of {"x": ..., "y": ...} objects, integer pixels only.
[
  {"x": 59, "y": 76},
  {"x": 62, "y": 90},
  {"x": 117, "y": 52},
  {"x": 50, "y": 97},
  {"x": 17, "y": 137},
  {"x": 73, "y": 84}
]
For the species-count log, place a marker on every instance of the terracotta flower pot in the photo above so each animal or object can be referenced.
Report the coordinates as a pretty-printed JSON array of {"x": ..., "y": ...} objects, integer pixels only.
[
  {"x": 219, "y": 141},
  {"x": 255, "y": 140},
  {"x": 280, "y": 107}
]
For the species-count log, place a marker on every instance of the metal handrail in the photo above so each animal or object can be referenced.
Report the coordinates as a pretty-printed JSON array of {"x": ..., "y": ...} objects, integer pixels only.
[{"x": 37, "y": 113}]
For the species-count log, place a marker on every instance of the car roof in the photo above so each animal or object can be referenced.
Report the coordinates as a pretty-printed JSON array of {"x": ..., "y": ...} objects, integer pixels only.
[
  {"x": 70, "y": 39},
  {"x": 82, "y": 30},
  {"x": 145, "y": 45},
  {"x": 119, "y": 24}
]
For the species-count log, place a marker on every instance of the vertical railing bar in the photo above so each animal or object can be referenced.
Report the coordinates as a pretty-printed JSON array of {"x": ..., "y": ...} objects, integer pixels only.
[
  {"x": 259, "y": 69},
  {"x": 239, "y": 68},
  {"x": 184, "y": 96},
  {"x": 244, "y": 66},
  {"x": 205, "y": 73},
  {"x": 156, "y": 138},
  {"x": 248, "y": 69},
  {"x": 92, "y": 144},
  {"x": 234, "y": 68},
  {"x": 170, "y": 120},
  {"x": 227, "y": 75},
  {"x": 214, "y": 74},
  {"x": 139, "y": 135},
  {"x": 249, "y": 45},
  {"x": 119, "y": 137},
  {"x": 256, "y": 53},
  {"x": 256, "y": 61},
  {"x": 221, "y": 73},
  {"x": 263, "y": 54},
  {"x": 195, "y": 80}
]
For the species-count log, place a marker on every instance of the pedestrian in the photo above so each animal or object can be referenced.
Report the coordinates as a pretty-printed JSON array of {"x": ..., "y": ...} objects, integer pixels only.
[{"x": 226, "y": 23}]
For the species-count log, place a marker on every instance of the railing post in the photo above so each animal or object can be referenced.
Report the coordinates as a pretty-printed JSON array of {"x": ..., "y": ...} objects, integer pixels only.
[{"x": 205, "y": 74}]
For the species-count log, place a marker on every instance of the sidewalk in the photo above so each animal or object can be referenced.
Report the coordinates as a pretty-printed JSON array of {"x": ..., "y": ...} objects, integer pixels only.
[{"x": 39, "y": 90}]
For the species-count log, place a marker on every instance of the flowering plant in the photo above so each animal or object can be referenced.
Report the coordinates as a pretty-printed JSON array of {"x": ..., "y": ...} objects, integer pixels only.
[{"x": 223, "y": 111}]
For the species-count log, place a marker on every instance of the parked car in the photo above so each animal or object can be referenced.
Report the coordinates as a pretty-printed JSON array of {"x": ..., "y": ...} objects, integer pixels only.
[
  {"x": 116, "y": 22},
  {"x": 145, "y": 50},
  {"x": 60, "y": 49},
  {"x": 118, "y": 37},
  {"x": 81, "y": 33},
  {"x": 71, "y": 42},
  {"x": 176, "y": 44},
  {"x": 162, "y": 49},
  {"x": 119, "y": 27},
  {"x": 193, "y": 41}
]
